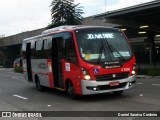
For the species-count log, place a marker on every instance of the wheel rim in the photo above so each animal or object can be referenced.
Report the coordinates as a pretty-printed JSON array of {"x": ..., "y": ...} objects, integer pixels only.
[
  {"x": 70, "y": 88},
  {"x": 38, "y": 84}
]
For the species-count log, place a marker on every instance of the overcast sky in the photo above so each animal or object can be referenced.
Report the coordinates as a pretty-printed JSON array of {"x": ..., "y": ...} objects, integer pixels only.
[{"x": 18, "y": 16}]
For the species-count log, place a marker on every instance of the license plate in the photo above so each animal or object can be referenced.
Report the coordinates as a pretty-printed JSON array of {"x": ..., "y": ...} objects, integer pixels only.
[{"x": 114, "y": 84}]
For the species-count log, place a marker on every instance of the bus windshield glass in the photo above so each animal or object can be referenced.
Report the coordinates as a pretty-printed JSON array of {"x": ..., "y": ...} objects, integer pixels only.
[{"x": 103, "y": 45}]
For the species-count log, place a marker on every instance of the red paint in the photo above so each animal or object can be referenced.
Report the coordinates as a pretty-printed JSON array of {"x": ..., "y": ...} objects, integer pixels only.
[{"x": 50, "y": 74}]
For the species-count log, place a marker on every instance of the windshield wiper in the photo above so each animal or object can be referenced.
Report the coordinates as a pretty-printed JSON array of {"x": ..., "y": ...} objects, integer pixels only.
[
  {"x": 100, "y": 54},
  {"x": 112, "y": 49}
]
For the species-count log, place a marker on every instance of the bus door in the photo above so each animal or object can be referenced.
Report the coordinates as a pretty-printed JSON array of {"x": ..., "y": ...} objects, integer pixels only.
[
  {"x": 28, "y": 60},
  {"x": 57, "y": 55}
]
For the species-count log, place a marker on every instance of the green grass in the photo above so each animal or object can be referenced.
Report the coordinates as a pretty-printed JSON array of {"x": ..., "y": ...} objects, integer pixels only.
[
  {"x": 1, "y": 63},
  {"x": 18, "y": 69},
  {"x": 150, "y": 72},
  {"x": 154, "y": 72}
]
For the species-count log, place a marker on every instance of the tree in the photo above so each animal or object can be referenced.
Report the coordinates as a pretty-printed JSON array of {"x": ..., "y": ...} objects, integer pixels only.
[{"x": 65, "y": 12}]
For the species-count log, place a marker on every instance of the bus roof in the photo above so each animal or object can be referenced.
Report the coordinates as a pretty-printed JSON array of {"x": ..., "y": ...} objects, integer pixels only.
[{"x": 64, "y": 28}]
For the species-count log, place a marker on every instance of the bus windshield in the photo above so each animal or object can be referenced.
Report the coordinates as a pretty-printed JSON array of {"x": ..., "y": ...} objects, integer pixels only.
[{"x": 103, "y": 45}]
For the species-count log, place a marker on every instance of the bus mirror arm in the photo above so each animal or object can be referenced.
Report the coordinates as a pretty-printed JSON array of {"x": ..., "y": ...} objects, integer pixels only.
[{"x": 71, "y": 59}]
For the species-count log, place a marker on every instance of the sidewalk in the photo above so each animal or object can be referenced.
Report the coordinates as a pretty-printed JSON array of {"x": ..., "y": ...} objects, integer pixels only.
[{"x": 6, "y": 69}]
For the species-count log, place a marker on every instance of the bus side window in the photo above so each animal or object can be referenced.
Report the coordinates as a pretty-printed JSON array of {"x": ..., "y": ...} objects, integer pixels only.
[
  {"x": 24, "y": 50},
  {"x": 70, "y": 51},
  {"x": 33, "y": 49},
  {"x": 47, "y": 48},
  {"x": 39, "y": 47}
]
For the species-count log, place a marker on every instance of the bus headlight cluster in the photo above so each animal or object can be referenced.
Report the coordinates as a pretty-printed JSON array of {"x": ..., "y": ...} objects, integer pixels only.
[
  {"x": 134, "y": 69},
  {"x": 86, "y": 74},
  {"x": 133, "y": 72},
  {"x": 87, "y": 77}
]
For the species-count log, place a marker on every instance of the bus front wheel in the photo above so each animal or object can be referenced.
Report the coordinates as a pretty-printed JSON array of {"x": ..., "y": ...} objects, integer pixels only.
[{"x": 70, "y": 90}]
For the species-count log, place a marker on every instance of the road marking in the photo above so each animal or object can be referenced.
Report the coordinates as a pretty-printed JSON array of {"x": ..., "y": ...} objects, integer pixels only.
[
  {"x": 156, "y": 84},
  {"x": 2, "y": 76},
  {"x": 140, "y": 95},
  {"x": 14, "y": 77},
  {"x": 139, "y": 83},
  {"x": 20, "y": 97}
]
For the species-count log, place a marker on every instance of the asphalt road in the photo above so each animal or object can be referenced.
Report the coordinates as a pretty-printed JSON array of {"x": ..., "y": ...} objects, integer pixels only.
[{"x": 18, "y": 95}]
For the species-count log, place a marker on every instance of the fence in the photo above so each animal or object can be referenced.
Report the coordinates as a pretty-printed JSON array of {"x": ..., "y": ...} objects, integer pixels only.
[{"x": 147, "y": 69}]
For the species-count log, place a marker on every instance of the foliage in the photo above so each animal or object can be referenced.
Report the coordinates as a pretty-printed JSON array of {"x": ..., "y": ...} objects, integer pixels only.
[
  {"x": 65, "y": 12},
  {"x": 150, "y": 72},
  {"x": 154, "y": 72},
  {"x": 18, "y": 69},
  {"x": 1, "y": 62},
  {"x": 52, "y": 25}
]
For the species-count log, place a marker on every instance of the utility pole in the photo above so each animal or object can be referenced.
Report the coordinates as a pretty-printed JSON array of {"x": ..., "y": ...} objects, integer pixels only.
[{"x": 105, "y": 4}]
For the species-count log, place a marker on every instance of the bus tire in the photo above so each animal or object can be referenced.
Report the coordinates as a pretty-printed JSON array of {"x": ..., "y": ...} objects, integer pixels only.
[
  {"x": 38, "y": 85},
  {"x": 118, "y": 92},
  {"x": 71, "y": 91}
]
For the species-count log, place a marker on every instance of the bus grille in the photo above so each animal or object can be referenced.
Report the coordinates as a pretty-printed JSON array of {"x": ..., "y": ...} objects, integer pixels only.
[
  {"x": 107, "y": 87},
  {"x": 108, "y": 77}
]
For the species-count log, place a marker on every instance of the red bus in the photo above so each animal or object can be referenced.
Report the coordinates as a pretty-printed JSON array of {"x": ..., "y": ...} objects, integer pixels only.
[{"x": 81, "y": 60}]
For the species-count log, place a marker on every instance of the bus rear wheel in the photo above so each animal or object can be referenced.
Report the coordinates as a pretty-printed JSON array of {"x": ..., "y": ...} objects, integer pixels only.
[
  {"x": 70, "y": 90},
  {"x": 38, "y": 85}
]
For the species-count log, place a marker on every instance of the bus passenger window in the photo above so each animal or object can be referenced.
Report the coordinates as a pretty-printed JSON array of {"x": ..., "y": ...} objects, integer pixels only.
[
  {"x": 70, "y": 48},
  {"x": 33, "y": 49},
  {"x": 24, "y": 50},
  {"x": 38, "y": 51},
  {"x": 39, "y": 45},
  {"x": 47, "y": 48}
]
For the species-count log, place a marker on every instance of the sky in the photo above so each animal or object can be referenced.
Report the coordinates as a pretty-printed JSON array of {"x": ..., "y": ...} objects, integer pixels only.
[{"x": 18, "y": 16}]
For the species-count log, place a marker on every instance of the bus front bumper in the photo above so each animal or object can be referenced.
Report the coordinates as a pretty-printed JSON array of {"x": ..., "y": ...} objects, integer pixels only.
[{"x": 90, "y": 87}]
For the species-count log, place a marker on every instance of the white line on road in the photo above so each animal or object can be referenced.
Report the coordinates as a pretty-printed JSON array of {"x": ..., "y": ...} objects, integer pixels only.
[
  {"x": 156, "y": 84},
  {"x": 20, "y": 97},
  {"x": 141, "y": 95},
  {"x": 139, "y": 83}
]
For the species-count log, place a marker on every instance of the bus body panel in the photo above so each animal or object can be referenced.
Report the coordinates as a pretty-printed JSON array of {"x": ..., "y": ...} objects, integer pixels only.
[
  {"x": 88, "y": 86},
  {"x": 127, "y": 67},
  {"x": 71, "y": 71},
  {"x": 41, "y": 70}
]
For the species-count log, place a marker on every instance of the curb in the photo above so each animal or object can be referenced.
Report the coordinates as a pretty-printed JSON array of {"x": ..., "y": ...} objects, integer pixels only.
[{"x": 145, "y": 76}]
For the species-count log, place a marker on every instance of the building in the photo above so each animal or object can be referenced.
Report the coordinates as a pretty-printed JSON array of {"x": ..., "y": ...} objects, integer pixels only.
[
  {"x": 10, "y": 47},
  {"x": 141, "y": 24}
]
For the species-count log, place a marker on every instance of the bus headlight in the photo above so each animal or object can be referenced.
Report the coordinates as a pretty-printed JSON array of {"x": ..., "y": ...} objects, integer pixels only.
[
  {"x": 133, "y": 72},
  {"x": 87, "y": 77},
  {"x": 134, "y": 69},
  {"x": 86, "y": 74}
]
